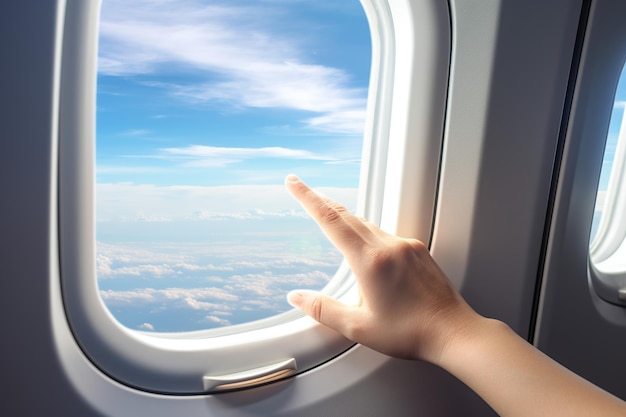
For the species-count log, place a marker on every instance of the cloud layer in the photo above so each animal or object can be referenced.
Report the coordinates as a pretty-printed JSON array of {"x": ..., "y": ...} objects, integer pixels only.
[
  {"x": 151, "y": 203},
  {"x": 200, "y": 286}
]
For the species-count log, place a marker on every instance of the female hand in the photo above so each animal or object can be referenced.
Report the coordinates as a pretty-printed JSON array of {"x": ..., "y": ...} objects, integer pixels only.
[{"x": 407, "y": 308}]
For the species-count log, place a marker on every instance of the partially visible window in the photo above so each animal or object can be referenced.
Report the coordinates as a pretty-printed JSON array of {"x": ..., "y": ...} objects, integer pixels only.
[
  {"x": 608, "y": 236},
  {"x": 203, "y": 107}
]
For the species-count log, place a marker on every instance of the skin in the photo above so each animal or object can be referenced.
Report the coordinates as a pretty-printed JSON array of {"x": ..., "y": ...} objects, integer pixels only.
[{"x": 409, "y": 309}]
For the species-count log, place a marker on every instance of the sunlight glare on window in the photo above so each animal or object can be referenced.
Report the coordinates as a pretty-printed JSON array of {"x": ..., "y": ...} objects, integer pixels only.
[{"x": 203, "y": 107}]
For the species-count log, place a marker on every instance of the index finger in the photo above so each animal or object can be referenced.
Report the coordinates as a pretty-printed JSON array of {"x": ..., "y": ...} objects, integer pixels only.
[{"x": 346, "y": 231}]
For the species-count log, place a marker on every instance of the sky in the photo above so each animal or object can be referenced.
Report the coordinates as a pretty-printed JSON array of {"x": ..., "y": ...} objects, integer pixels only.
[
  {"x": 203, "y": 108},
  {"x": 619, "y": 106},
  {"x": 614, "y": 129}
]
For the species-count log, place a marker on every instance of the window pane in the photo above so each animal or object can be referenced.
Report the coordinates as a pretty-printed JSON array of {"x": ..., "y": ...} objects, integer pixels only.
[
  {"x": 609, "y": 223},
  {"x": 203, "y": 108}
]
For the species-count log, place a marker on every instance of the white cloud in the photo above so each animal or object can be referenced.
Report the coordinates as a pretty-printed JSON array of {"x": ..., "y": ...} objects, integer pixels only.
[
  {"x": 209, "y": 267},
  {"x": 136, "y": 270},
  {"x": 189, "y": 297},
  {"x": 341, "y": 121},
  {"x": 147, "y": 326},
  {"x": 201, "y": 305},
  {"x": 251, "y": 64},
  {"x": 217, "y": 320},
  {"x": 136, "y": 132},
  {"x": 128, "y": 297},
  {"x": 228, "y": 260},
  {"x": 212, "y": 156},
  {"x": 143, "y": 202}
]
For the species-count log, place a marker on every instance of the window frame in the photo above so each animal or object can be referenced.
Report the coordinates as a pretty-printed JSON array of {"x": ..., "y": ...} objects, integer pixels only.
[{"x": 410, "y": 54}]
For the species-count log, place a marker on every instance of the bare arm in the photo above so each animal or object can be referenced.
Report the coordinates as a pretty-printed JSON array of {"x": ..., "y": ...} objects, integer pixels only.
[{"x": 409, "y": 309}]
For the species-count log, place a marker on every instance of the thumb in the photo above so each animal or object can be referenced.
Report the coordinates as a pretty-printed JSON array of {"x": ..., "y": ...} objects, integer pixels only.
[{"x": 322, "y": 308}]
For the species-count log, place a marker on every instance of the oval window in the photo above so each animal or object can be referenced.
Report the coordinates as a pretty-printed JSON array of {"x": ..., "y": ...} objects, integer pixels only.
[{"x": 178, "y": 242}]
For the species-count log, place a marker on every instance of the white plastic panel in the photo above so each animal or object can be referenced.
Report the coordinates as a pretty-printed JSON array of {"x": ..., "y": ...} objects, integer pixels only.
[
  {"x": 507, "y": 92},
  {"x": 575, "y": 326}
]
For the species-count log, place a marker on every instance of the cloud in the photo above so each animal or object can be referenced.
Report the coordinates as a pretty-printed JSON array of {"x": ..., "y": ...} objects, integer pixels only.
[
  {"x": 218, "y": 320},
  {"x": 249, "y": 280},
  {"x": 234, "y": 55},
  {"x": 187, "y": 296},
  {"x": 136, "y": 132},
  {"x": 201, "y": 305},
  {"x": 136, "y": 38},
  {"x": 146, "y": 326},
  {"x": 234, "y": 295},
  {"x": 341, "y": 121},
  {"x": 242, "y": 294},
  {"x": 127, "y": 202},
  {"x": 224, "y": 260},
  {"x": 213, "y": 156}
]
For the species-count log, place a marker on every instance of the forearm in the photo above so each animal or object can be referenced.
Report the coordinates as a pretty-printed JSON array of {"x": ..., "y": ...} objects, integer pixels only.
[{"x": 516, "y": 379}]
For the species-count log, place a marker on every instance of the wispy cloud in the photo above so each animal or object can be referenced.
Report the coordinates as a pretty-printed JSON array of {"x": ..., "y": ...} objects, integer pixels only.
[
  {"x": 218, "y": 320},
  {"x": 236, "y": 55},
  {"x": 146, "y": 326},
  {"x": 213, "y": 156},
  {"x": 136, "y": 132},
  {"x": 184, "y": 294}
]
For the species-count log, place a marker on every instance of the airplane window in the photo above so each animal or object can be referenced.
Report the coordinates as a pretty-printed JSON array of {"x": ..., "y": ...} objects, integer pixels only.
[
  {"x": 177, "y": 240},
  {"x": 203, "y": 107},
  {"x": 608, "y": 235}
]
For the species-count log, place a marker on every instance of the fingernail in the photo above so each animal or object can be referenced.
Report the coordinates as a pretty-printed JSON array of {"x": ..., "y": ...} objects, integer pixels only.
[
  {"x": 292, "y": 178},
  {"x": 295, "y": 298}
]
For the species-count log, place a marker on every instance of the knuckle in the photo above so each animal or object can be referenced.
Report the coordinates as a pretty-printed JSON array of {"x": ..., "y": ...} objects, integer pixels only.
[
  {"x": 381, "y": 260},
  {"x": 416, "y": 245},
  {"x": 330, "y": 212},
  {"x": 384, "y": 259},
  {"x": 316, "y": 308}
]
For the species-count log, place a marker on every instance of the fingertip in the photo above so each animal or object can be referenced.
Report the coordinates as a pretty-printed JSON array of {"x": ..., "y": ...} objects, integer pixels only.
[
  {"x": 295, "y": 298},
  {"x": 293, "y": 183},
  {"x": 291, "y": 179}
]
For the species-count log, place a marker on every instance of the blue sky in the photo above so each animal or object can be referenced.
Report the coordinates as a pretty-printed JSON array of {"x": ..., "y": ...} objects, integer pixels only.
[
  {"x": 203, "y": 108},
  {"x": 614, "y": 128},
  {"x": 231, "y": 92}
]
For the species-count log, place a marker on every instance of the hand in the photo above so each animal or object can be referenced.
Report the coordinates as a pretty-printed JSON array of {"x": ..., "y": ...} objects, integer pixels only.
[{"x": 407, "y": 308}]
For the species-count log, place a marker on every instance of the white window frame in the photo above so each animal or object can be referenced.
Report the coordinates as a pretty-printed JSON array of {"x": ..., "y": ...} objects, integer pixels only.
[{"x": 405, "y": 123}]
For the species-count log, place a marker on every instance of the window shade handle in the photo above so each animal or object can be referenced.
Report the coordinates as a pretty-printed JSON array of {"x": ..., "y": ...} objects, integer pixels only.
[{"x": 250, "y": 378}]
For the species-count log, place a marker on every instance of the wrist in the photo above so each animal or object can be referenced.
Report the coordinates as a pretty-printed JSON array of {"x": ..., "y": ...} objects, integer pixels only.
[{"x": 470, "y": 336}]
